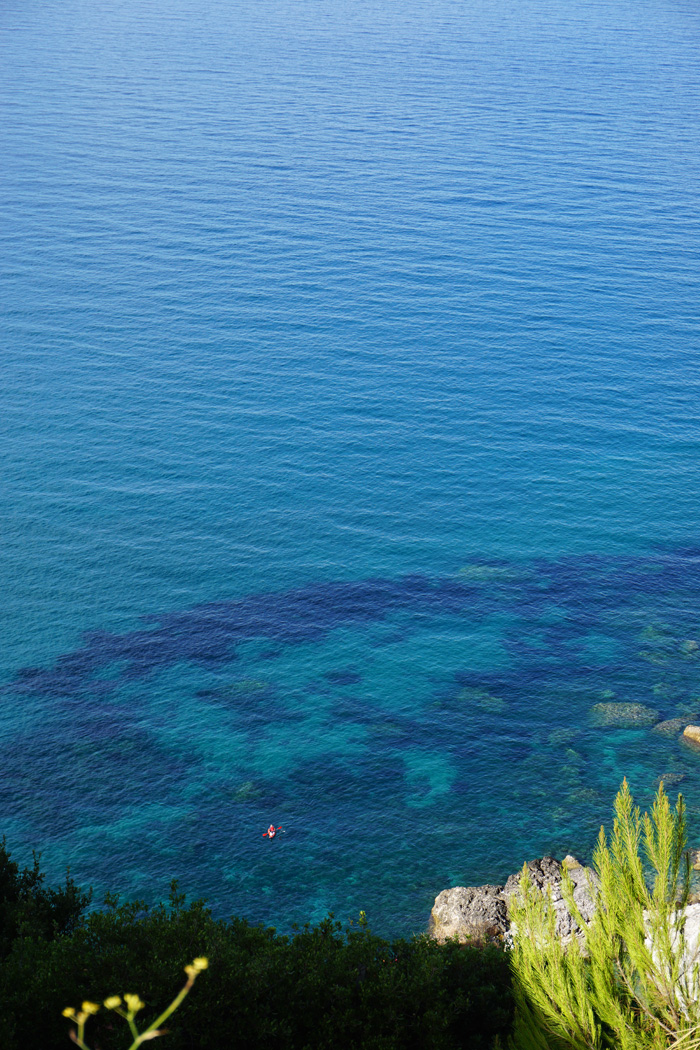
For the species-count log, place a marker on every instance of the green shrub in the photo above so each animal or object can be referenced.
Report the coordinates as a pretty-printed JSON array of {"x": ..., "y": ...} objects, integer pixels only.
[
  {"x": 323, "y": 987},
  {"x": 28, "y": 908}
]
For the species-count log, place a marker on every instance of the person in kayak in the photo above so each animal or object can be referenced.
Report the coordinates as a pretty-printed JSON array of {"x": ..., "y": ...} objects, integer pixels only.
[{"x": 271, "y": 832}]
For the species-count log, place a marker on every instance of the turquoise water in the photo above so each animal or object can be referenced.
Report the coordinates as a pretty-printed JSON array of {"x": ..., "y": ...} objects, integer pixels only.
[{"x": 349, "y": 439}]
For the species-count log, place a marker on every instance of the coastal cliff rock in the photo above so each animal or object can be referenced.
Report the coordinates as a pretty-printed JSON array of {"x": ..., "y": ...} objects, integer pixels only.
[
  {"x": 470, "y": 913},
  {"x": 548, "y": 872},
  {"x": 480, "y": 913}
]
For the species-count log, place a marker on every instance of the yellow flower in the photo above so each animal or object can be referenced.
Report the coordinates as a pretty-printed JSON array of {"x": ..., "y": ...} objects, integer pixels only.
[
  {"x": 69, "y": 1012},
  {"x": 113, "y": 1002},
  {"x": 90, "y": 1008},
  {"x": 196, "y": 966},
  {"x": 133, "y": 1003}
]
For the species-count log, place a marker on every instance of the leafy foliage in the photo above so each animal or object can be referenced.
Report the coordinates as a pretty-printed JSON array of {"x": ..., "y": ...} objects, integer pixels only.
[
  {"x": 29, "y": 909},
  {"x": 630, "y": 985},
  {"x": 322, "y": 987}
]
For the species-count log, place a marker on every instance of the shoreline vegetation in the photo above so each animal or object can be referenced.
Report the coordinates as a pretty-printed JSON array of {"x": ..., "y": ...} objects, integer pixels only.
[
  {"x": 323, "y": 986},
  {"x": 622, "y": 973}
]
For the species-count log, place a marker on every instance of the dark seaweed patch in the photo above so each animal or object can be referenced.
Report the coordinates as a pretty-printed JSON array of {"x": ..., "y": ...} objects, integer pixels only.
[
  {"x": 207, "y": 635},
  {"x": 343, "y": 677}
]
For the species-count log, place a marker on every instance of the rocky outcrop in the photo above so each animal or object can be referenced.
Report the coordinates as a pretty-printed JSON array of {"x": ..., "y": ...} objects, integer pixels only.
[
  {"x": 692, "y": 733},
  {"x": 479, "y": 914},
  {"x": 469, "y": 913},
  {"x": 547, "y": 872}
]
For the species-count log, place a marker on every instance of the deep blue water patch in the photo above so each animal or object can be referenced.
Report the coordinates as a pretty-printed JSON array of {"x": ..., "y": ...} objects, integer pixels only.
[
  {"x": 208, "y": 634},
  {"x": 175, "y": 744}
]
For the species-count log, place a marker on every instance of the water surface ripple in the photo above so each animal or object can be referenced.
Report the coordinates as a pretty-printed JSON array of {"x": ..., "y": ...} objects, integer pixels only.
[{"x": 349, "y": 437}]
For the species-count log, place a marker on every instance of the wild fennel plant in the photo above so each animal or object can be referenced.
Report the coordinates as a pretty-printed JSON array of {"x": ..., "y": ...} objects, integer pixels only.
[
  {"x": 129, "y": 1006},
  {"x": 631, "y": 982}
]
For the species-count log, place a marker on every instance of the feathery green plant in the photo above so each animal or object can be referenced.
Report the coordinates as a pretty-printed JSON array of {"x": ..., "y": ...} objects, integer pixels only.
[{"x": 628, "y": 982}]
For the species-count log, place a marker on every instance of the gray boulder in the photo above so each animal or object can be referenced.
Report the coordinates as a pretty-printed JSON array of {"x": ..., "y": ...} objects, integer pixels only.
[
  {"x": 480, "y": 914},
  {"x": 470, "y": 913}
]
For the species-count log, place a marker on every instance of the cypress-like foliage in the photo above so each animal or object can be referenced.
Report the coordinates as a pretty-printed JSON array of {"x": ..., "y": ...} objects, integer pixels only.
[{"x": 628, "y": 984}]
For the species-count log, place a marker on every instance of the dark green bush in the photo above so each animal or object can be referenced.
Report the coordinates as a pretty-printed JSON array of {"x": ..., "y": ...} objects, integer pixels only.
[
  {"x": 29, "y": 909},
  {"x": 323, "y": 987}
]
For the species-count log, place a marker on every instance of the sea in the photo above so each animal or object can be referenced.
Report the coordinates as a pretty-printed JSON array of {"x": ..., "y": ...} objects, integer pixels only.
[{"x": 349, "y": 441}]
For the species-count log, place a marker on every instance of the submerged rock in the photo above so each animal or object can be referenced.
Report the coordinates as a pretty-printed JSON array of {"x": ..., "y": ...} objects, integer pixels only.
[
  {"x": 247, "y": 792},
  {"x": 671, "y": 779},
  {"x": 623, "y": 715},
  {"x": 585, "y": 796},
  {"x": 657, "y": 633},
  {"x": 671, "y": 727},
  {"x": 493, "y": 705},
  {"x": 562, "y": 736},
  {"x": 692, "y": 733},
  {"x": 487, "y": 573},
  {"x": 480, "y": 913},
  {"x": 483, "y": 699},
  {"x": 659, "y": 659}
]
